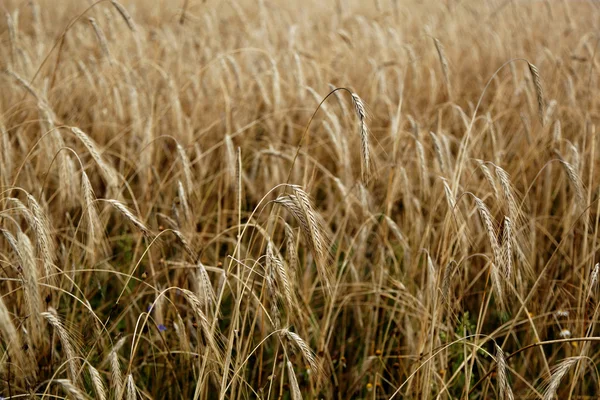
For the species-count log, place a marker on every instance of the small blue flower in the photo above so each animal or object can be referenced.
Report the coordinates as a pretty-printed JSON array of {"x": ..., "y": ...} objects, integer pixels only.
[
  {"x": 149, "y": 307},
  {"x": 162, "y": 328}
]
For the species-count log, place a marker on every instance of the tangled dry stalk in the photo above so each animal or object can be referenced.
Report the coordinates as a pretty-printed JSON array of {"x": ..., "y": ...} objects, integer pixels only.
[{"x": 299, "y": 199}]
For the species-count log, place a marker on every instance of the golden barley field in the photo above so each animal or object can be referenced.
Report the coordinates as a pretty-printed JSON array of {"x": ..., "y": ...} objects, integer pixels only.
[{"x": 281, "y": 199}]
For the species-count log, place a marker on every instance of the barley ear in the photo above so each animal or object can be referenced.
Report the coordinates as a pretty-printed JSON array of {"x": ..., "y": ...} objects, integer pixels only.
[
  {"x": 97, "y": 383},
  {"x": 361, "y": 113},
  {"x": 295, "y": 389},
  {"x": 504, "y": 390},
  {"x": 123, "y": 11},
  {"x": 537, "y": 82},
  {"x": 558, "y": 373},
  {"x": 66, "y": 342},
  {"x": 131, "y": 389}
]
